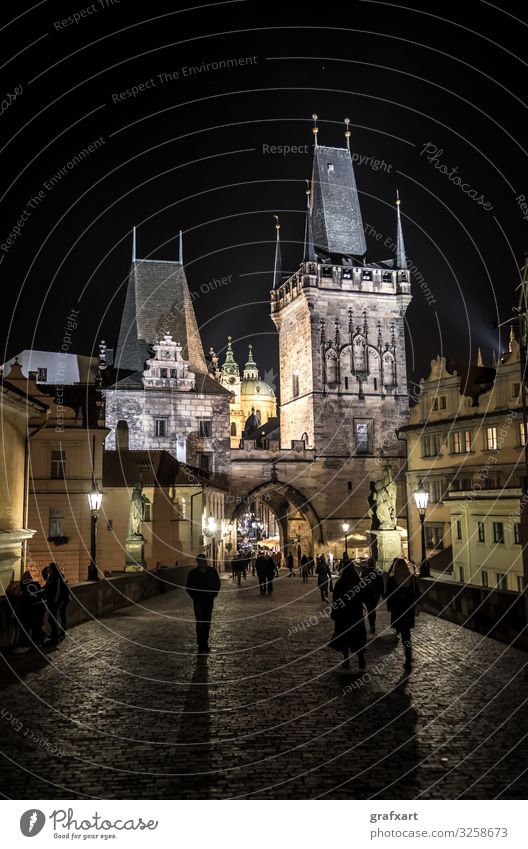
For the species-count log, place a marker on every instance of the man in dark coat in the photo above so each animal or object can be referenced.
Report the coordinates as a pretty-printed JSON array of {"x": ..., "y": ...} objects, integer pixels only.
[
  {"x": 57, "y": 599},
  {"x": 270, "y": 573},
  {"x": 32, "y": 608},
  {"x": 261, "y": 566},
  {"x": 203, "y": 585},
  {"x": 350, "y": 634},
  {"x": 289, "y": 561}
]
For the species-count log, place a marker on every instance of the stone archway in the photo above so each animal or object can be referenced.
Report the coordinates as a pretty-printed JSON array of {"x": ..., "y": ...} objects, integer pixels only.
[{"x": 298, "y": 522}]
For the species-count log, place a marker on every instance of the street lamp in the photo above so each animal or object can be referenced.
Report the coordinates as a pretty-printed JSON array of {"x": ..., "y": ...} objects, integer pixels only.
[
  {"x": 94, "y": 500},
  {"x": 346, "y": 528},
  {"x": 421, "y": 498}
]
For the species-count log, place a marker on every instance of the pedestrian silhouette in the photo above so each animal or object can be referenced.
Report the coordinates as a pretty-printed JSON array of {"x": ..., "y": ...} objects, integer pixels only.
[
  {"x": 324, "y": 576},
  {"x": 57, "y": 599},
  {"x": 350, "y": 634},
  {"x": 402, "y": 597},
  {"x": 305, "y": 568},
  {"x": 374, "y": 587},
  {"x": 203, "y": 585}
]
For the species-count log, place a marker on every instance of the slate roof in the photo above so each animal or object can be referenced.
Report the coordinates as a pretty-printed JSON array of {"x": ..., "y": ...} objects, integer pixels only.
[
  {"x": 336, "y": 222},
  {"x": 157, "y": 302}
]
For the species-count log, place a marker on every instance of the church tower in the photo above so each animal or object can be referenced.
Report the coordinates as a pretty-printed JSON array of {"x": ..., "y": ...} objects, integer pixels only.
[{"x": 340, "y": 319}]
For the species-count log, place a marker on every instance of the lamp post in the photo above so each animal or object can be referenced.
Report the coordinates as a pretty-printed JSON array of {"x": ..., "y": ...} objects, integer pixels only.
[
  {"x": 346, "y": 528},
  {"x": 421, "y": 497},
  {"x": 94, "y": 499}
]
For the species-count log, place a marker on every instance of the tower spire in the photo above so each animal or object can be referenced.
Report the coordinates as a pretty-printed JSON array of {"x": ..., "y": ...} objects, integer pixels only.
[
  {"x": 180, "y": 260},
  {"x": 480, "y": 361},
  {"x": 134, "y": 243},
  {"x": 347, "y": 133},
  {"x": 511, "y": 339},
  {"x": 315, "y": 128},
  {"x": 277, "y": 268},
  {"x": 308, "y": 254},
  {"x": 401, "y": 259}
]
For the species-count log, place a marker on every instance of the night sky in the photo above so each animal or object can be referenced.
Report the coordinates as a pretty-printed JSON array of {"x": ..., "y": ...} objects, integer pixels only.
[{"x": 188, "y": 152}]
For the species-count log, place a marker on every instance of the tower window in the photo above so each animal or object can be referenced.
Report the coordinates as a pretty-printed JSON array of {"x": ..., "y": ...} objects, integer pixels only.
[
  {"x": 160, "y": 427},
  {"x": 330, "y": 167},
  {"x": 205, "y": 428},
  {"x": 163, "y": 372},
  {"x": 42, "y": 375},
  {"x": 122, "y": 435},
  {"x": 295, "y": 384},
  {"x": 233, "y": 429},
  {"x": 346, "y": 382},
  {"x": 205, "y": 462},
  {"x": 363, "y": 437}
]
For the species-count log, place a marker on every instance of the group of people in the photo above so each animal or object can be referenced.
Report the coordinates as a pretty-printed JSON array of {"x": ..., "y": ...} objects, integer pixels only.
[
  {"x": 35, "y": 599},
  {"x": 355, "y": 591}
]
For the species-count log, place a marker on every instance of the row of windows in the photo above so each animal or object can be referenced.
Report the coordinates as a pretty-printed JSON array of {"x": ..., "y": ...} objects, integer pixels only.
[
  {"x": 462, "y": 442},
  {"x": 440, "y": 401},
  {"x": 501, "y": 579},
  {"x": 161, "y": 425},
  {"x": 498, "y": 532}
]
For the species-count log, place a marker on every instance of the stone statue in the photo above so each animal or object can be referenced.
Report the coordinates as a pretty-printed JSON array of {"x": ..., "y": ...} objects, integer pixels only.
[
  {"x": 382, "y": 502},
  {"x": 137, "y": 511}
]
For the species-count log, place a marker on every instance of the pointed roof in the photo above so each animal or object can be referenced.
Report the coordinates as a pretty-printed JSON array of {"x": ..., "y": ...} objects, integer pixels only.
[
  {"x": 230, "y": 364},
  {"x": 335, "y": 216},
  {"x": 401, "y": 257},
  {"x": 480, "y": 361},
  {"x": 157, "y": 302},
  {"x": 277, "y": 267},
  {"x": 251, "y": 366}
]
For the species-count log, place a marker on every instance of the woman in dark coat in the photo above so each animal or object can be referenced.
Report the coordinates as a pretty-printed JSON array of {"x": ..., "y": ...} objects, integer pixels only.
[
  {"x": 350, "y": 634},
  {"x": 57, "y": 598},
  {"x": 402, "y": 597},
  {"x": 305, "y": 567}
]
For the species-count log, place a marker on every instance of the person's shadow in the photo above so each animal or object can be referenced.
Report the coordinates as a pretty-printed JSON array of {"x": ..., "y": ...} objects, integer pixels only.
[{"x": 193, "y": 750}]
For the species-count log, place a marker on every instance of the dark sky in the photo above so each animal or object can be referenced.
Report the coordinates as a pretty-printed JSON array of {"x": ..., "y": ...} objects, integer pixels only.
[{"x": 188, "y": 152}]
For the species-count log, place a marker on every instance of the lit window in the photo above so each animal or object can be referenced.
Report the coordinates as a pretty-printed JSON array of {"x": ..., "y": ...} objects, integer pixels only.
[
  {"x": 457, "y": 443},
  {"x": 330, "y": 167},
  {"x": 56, "y": 522},
  {"x": 522, "y": 434},
  {"x": 58, "y": 465},
  {"x": 491, "y": 438},
  {"x": 498, "y": 533},
  {"x": 160, "y": 427},
  {"x": 42, "y": 375},
  {"x": 517, "y": 533},
  {"x": 481, "y": 532},
  {"x": 462, "y": 442},
  {"x": 362, "y": 438}
]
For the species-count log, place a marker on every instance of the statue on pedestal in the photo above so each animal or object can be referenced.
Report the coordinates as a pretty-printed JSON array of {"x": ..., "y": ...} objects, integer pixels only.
[
  {"x": 137, "y": 511},
  {"x": 382, "y": 502}
]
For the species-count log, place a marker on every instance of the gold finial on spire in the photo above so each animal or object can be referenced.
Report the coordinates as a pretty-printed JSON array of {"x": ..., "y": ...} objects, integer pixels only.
[
  {"x": 315, "y": 128},
  {"x": 397, "y": 198},
  {"x": 347, "y": 132},
  {"x": 277, "y": 225},
  {"x": 480, "y": 361},
  {"x": 511, "y": 339}
]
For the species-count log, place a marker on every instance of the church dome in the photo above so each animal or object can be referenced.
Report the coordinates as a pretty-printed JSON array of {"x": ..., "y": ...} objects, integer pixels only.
[{"x": 254, "y": 386}]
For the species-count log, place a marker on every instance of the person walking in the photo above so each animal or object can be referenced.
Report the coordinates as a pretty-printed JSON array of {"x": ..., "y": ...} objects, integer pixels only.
[
  {"x": 261, "y": 566},
  {"x": 270, "y": 573},
  {"x": 311, "y": 565},
  {"x": 203, "y": 586},
  {"x": 57, "y": 595},
  {"x": 32, "y": 609},
  {"x": 350, "y": 634},
  {"x": 374, "y": 586},
  {"x": 289, "y": 562},
  {"x": 402, "y": 597},
  {"x": 324, "y": 576},
  {"x": 304, "y": 568}
]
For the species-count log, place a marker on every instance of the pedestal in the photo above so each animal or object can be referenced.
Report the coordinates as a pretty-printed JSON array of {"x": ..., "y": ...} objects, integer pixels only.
[
  {"x": 385, "y": 546},
  {"x": 134, "y": 560}
]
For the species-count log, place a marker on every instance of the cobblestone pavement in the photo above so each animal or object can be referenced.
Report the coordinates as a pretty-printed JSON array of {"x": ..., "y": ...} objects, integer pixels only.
[{"x": 135, "y": 713}]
